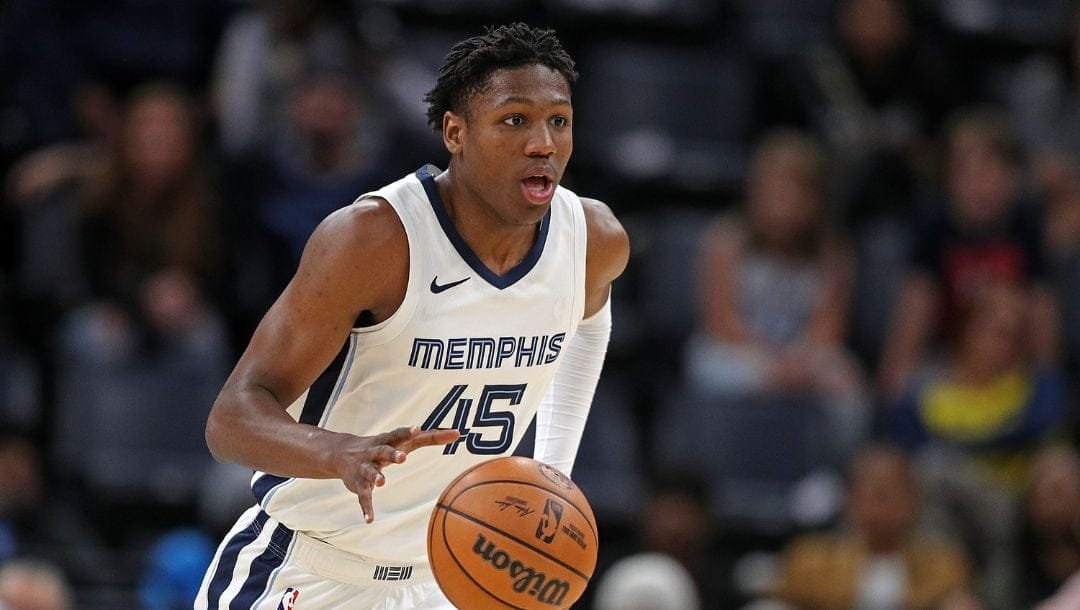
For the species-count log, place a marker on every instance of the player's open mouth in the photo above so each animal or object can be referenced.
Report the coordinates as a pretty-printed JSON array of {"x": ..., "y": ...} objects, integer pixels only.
[{"x": 538, "y": 189}]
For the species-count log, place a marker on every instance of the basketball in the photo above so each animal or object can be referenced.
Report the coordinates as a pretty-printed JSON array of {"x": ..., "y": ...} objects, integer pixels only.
[{"x": 512, "y": 532}]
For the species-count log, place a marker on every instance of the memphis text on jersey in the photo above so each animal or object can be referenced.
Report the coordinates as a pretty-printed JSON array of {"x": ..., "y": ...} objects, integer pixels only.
[{"x": 485, "y": 352}]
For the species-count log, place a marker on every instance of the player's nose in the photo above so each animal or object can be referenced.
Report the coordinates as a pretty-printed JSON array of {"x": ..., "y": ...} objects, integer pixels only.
[{"x": 541, "y": 142}]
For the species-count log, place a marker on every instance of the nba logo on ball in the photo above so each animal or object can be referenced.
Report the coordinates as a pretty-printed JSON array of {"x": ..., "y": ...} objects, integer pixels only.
[
  {"x": 549, "y": 521},
  {"x": 512, "y": 532}
]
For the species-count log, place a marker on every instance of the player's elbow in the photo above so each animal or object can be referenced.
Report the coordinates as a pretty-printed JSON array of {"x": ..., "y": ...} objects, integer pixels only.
[{"x": 217, "y": 433}]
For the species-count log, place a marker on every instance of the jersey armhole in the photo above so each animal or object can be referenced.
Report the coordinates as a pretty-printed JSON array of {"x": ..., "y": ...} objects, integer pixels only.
[
  {"x": 382, "y": 332},
  {"x": 581, "y": 246}
]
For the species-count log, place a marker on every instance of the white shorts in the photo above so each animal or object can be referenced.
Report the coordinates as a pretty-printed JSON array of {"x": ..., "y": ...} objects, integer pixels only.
[{"x": 263, "y": 564}]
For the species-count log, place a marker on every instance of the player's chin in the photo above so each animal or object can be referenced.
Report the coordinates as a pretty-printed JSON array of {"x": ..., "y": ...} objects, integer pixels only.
[{"x": 529, "y": 215}]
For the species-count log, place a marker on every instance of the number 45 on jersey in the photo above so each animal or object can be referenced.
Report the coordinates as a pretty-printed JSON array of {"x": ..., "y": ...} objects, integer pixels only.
[{"x": 485, "y": 418}]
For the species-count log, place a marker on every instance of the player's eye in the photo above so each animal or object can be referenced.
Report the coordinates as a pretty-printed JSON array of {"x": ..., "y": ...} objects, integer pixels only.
[
  {"x": 560, "y": 121},
  {"x": 514, "y": 120}
]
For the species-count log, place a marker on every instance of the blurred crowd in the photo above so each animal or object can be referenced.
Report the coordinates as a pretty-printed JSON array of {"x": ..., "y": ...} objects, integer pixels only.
[{"x": 844, "y": 366}]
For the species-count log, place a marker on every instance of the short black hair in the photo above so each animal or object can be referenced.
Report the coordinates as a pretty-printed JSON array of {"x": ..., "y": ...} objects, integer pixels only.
[{"x": 470, "y": 62}]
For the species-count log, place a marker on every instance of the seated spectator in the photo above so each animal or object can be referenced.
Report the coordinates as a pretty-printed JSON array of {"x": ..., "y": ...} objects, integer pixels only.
[
  {"x": 1057, "y": 479},
  {"x": 43, "y": 191},
  {"x": 675, "y": 524},
  {"x": 332, "y": 146},
  {"x": 42, "y": 171},
  {"x": 1048, "y": 550},
  {"x": 975, "y": 422},
  {"x": 775, "y": 287},
  {"x": 979, "y": 230},
  {"x": 875, "y": 88},
  {"x": 990, "y": 401},
  {"x": 264, "y": 52},
  {"x": 1043, "y": 99},
  {"x": 875, "y": 92},
  {"x": 38, "y": 520},
  {"x": 878, "y": 559},
  {"x": 27, "y": 584},
  {"x": 149, "y": 349},
  {"x": 1041, "y": 92},
  {"x": 153, "y": 205},
  {"x": 151, "y": 232}
]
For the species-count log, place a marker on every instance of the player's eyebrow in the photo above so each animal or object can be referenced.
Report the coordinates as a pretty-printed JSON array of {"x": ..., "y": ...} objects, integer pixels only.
[{"x": 528, "y": 101}]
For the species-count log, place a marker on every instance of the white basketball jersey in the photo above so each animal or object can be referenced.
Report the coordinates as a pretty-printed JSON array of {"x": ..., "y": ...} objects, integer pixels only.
[{"x": 467, "y": 349}]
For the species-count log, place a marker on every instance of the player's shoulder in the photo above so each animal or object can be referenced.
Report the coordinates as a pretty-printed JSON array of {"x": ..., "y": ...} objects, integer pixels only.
[
  {"x": 362, "y": 251},
  {"x": 608, "y": 241},
  {"x": 366, "y": 230},
  {"x": 599, "y": 217},
  {"x": 603, "y": 226}
]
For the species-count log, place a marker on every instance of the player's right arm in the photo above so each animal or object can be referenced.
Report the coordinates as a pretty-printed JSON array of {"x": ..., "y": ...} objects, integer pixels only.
[{"x": 355, "y": 261}]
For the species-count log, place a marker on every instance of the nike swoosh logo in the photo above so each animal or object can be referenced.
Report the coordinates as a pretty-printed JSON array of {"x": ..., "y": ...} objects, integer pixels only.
[{"x": 436, "y": 287}]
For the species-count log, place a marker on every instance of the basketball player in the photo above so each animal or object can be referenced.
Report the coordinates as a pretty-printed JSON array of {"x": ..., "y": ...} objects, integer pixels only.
[{"x": 427, "y": 324}]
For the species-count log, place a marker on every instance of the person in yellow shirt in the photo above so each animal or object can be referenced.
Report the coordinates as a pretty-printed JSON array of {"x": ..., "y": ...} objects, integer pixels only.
[{"x": 877, "y": 559}]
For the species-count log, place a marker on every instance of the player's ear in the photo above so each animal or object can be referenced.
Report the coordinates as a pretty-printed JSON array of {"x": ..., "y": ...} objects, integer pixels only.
[{"x": 452, "y": 127}]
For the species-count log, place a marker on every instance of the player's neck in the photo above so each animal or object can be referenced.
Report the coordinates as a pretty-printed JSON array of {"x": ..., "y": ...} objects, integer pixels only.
[{"x": 499, "y": 244}]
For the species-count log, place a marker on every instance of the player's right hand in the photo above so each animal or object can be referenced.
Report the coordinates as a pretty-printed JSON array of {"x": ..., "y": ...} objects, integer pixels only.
[{"x": 361, "y": 459}]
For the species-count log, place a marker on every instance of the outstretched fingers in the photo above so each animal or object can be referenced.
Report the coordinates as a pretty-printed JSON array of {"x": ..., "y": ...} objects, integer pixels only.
[
  {"x": 363, "y": 492},
  {"x": 429, "y": 438},
  {"x": 391, "y": 448},
  {"x": 397, "y": 436}
]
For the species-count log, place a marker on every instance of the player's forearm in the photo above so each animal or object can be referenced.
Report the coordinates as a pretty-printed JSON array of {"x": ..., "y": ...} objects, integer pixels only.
[
  {"x": 249, "y": 427},
  {"x": 560, "y": 422}
]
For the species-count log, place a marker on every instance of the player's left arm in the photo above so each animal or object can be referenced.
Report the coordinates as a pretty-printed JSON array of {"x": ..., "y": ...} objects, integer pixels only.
[
  {"x": 560, "y": 421},
  {"x": 606, "y": 255}
]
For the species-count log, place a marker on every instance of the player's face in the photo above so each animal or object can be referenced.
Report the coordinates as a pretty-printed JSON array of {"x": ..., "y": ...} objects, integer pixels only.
[{"x": 512, "y": 144}]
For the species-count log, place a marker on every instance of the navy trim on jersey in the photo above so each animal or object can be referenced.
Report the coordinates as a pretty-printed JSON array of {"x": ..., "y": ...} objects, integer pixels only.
[
  {"x": 262, "y": 567},
  {"x": 265, "y": 484},
  {"x": 499, "y": 281},
  {"x": 227, "y": 562},
  {"x": 318, "y": 398}
]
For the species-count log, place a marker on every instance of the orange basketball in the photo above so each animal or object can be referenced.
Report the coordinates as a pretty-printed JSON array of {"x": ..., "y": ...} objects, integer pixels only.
[{"x": 512, "y": 532}]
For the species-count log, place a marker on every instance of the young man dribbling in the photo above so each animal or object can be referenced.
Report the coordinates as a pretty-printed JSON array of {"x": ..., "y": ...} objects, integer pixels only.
[{"x": 438, "y": 313}]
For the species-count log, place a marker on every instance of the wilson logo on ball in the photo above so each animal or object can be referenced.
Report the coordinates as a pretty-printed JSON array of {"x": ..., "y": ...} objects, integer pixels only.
[{"x": 550, "y": 591}]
